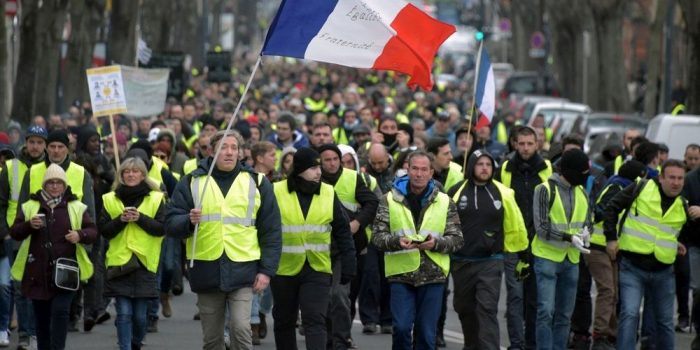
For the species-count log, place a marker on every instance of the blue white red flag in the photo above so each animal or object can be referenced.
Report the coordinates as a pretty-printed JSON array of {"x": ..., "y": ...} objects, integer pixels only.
[
  {"x": 485, "y": 92},
  {"x": 375, "y": 34}
]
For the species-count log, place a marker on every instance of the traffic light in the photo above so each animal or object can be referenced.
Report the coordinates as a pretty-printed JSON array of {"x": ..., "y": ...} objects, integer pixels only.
[{"x": 479, "y": 35}]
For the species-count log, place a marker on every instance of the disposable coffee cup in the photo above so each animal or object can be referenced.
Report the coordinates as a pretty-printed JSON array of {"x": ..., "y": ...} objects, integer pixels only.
[{"x": 43, "y": 219}]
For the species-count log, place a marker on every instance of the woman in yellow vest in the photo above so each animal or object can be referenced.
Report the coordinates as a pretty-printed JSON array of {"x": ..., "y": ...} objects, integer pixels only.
[
  {"x": 52, "y": 224},
  {"x": 132, "y": 221}
]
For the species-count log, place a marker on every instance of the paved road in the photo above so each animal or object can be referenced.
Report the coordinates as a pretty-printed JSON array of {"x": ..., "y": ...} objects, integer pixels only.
[{"x": 181, "y": 332}]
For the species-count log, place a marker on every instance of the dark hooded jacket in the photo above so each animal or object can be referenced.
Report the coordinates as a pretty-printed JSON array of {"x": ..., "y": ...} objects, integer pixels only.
[
  {"x": 481, "y": 215},
  {"x": 223, "y": 274},
  {"x": 97, "y": 165}
]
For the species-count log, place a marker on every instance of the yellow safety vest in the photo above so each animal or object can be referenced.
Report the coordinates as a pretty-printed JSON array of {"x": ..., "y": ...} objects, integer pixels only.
[
  {"x": 502, "y": 133},
  {"x": 617, "y": 164},
  {"x": 15, "y": 175},
  {"x": 228, "y": 223},
  {"x": 454, "y": 175},
  {"x": 554, "y": 250},
  {"x": 678, "y": 109},
  {"x": 154, "y": 173},
  {"x": 189, "y": 166},
  {"x": 75, "y": 174},
  {"x": 133, "y": 239},
  {"x": 76, "y": 209},
  {"x": 401, "y": 224},
  {"x": 305, "y": 238},
  {"x": 372, "y": 185},
  {"x": 340, "y": 136},
  {"x": 514, "y": 231},
  {"x": 598, "y": 236},
  {"x": 647, "y": 230},
  {"x": 345, "y": 189},
  {"x": 506, "y": 176},
  {"x": 314, "y": 106}
]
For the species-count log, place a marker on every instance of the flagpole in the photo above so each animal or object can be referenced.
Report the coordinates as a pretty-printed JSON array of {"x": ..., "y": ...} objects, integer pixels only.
[
  {"x": 218, "y": 150},
  {"x": 472, "y": 109}
]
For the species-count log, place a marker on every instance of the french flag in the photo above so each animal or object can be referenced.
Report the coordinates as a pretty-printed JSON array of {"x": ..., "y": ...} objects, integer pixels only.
[
  {"x": 375, "y": 34},
  {"x": 485, "y": 95}
]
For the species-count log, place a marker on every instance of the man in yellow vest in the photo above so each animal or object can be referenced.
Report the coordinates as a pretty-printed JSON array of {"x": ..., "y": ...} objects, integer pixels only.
[
  {"x": 629, "y": 135},
  {"x": 33, "y": 152},
  {"x": 204, "y": 151},
  {"x": 418, "y": 227},
  {"x": 603, "y": 269},
  {"x": 491, "y": 225},
  {"x": 238, "y": 243},
  {"x": 522, "y": 173},
  {"x": 360, "y": 205},
  {"x": 563, "y": 224},
  {"x": 653, "y": 214},
  {"x": 313, "y": 221},
  {"x": 446, "y": 171}
]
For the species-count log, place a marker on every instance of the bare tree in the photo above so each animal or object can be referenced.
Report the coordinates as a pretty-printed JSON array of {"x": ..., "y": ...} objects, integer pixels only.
[
  {"x": 41, "y": 27},
  {"x": 527, "y": 19},
  {"x": 121, "y": 43},
  {"x": 86, "y": 19},
  {"x": 691, "y": 14},
  {"x": 658, "y": 17},
  {"x": 4, "y": 78},
  {"x": 612, "y": 85}
]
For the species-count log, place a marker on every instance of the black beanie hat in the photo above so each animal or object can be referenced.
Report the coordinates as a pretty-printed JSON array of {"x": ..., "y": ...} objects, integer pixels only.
[
  {"x": 144, "y": 145},
  {"x": 632, "y": 169},
  {"x": 330, "y": 147},
  {"x": 575, "y": 166},
  {"x": 305, "y": 158},
  {"x": 408, "y": 129},
  {"x": 58, "y": 135}
]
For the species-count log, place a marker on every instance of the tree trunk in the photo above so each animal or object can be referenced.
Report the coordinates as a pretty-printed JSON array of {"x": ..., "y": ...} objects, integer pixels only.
[
  {"x": 526, "y": 20},
  {"x": 23, "y": 97},
  {"x": 651, "y": 107},
  {"x": 246, "y": 25},
  {"x": 691, "y": 14},
  {"x": 612, "y": 88},
  {"x": 121, "y": 43},
  {"x": 216, "y": 9},
  {"x": 86, "y": 17},
  {"x": 155, "y": 26},
  {"x": 184, "y": 29},
  {"x": 4, "y": 74},
  {"x": 52, "y": 20}
]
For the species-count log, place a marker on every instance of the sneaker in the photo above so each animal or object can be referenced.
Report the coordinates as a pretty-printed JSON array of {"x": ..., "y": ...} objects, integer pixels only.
[
  {"x": 23, "y": 343},
  {"x": 4, "y": 339},
  {"x": 387, "y": 329},
  {"x": 369, "y": 328},
  {"x": 683, "y": 325},
  {"x": 103, "y": 317}
]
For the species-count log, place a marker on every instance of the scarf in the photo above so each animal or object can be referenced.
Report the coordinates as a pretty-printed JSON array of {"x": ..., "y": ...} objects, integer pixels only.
[
  {"x": 51, "y": 202},
  {"x": 130, "y": 195},
  {"x": 331, "y": 179},
  {"x": 297, "y": 183}
]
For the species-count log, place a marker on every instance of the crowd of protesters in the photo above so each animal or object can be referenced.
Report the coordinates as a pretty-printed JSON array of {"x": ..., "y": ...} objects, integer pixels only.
[{"x": 342, "y": 193}]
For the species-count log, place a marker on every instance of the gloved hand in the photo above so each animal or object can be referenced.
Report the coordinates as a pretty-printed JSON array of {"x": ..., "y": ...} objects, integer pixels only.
[
  {"x": 522, "y": 270},
  {"x": 586, "y": 236},
  {"x": 577, "y": 241},
  {"x": 346, "y": 278}
]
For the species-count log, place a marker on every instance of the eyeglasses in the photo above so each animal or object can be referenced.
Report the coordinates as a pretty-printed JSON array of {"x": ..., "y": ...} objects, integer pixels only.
[{"x": 54, "y": 182}]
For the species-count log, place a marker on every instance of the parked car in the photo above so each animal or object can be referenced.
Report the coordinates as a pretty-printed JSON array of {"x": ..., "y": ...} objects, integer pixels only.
[
  {"x": 532, "y": 83},
  {"x": 522, "y": 104},
  {"x": 601, "y": 124},
  {"x": 562, "y": 117},
  {"x": 676, "y": 131}
]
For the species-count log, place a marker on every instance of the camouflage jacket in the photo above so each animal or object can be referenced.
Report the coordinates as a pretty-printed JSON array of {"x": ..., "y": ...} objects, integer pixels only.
[{"x": 450, "y": 241}]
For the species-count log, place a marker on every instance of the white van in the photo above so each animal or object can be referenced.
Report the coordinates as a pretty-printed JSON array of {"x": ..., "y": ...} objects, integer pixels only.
[{"x": 676, "y": 131}]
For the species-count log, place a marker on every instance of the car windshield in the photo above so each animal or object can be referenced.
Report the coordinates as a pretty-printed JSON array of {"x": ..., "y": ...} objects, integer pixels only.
[
  {"x": 563, "y": 114},
  {"x": 617, "y": 122},
  {"x": 523, "y": 85}
]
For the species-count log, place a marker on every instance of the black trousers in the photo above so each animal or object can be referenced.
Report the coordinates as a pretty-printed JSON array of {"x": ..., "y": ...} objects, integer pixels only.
[
  {"x": 308, "y": 291},
  {"x": 52, "y": 321},
  {"x": 477, "y": 287}
]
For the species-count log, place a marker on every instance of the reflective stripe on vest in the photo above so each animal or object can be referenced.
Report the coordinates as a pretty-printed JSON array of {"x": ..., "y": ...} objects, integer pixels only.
[
  {"x": 15, "y": 174},
  {"x": 155, "y": 172},
  {"x": 345, "y": 189},
  {"x": 133, "y": 239},
  {"x": 228, "y": 223},
  {"x": 75, "y": 174},
  {"x": 401, "y": 224},
  {"x": 544, "y": 174},
  {"x": 305, "y": 238},
  {"x": 647, "y": 230},
  {"x": 76, "y": 210},
  {"x": 556, "y": 250}
]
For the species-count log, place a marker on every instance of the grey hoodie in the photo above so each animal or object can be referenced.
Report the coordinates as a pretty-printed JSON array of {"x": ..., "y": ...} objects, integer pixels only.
[{"x": 541, "y": 202}]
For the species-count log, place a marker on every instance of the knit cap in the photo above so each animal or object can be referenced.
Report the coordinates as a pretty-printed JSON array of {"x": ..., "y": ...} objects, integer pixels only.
[
  {"x": 54, "y": 172},
  {"x": 305, "y": 158}
]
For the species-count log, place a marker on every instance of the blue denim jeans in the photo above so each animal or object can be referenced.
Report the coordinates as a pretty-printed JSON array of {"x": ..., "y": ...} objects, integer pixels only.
[
  {"x": 660, "y": 287},
  {"x": 131, "y": 321},
  {"x": 556, "y": 298},
  {"x": 415, "y": 308},
  {"x": 5, "y": 293}
]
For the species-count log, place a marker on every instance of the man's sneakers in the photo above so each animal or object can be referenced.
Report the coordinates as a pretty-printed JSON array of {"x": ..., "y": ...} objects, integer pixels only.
[
  {"x": 370, "y": 328},
  {"x": 27, "y": 342},
  {"x": 4, "y": 339},
  {"x": 387, "y": 329},
  {"x": 683, "y": 325}
]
